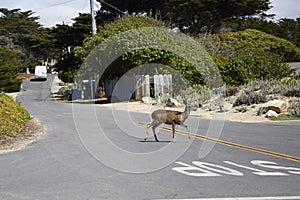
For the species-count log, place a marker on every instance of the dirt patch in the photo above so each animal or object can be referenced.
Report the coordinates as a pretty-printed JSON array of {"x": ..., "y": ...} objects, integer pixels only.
[
  {"x": 250, "y": 116},
  {"x": 33, "y": 132}
]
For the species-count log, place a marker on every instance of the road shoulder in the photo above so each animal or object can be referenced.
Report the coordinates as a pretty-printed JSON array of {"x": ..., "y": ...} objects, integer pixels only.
[{"x": 33, "y": 132}]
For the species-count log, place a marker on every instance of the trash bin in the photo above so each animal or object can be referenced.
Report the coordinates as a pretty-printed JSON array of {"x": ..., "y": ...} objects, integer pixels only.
[{"x": 75, "y": 94}]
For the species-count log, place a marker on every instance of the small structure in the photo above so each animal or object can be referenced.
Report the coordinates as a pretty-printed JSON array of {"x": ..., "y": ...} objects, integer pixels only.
[{"x": 137, "y": 87}]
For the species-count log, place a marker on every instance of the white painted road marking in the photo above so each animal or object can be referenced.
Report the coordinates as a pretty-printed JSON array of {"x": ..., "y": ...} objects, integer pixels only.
[
  {"x": 191, "y": 170},
  {"x": 217, "y": 168},
  {"x": 204, "y": 169},
  {"x": 257, "y": 171},
  {"x": 273, "y": 165}
]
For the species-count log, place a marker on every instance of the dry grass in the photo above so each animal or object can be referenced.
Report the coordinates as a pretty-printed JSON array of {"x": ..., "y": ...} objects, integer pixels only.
[{"x": 24, "y": 76}]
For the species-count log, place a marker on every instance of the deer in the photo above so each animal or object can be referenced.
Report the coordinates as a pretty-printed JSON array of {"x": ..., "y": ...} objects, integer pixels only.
[{"x": 169, "y": 117}]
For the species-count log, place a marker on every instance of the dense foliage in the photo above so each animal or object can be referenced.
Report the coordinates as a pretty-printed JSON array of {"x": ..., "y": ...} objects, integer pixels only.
[
  {"x": 284, "y": 28},
  {"x": 258, "y": 40},
  {"x": 126, "y": 23},
  {"x": 8, "y": 71},
  {"x": 66, "y": 39},
  {"x": 257, "y": 53},
  {"x": 147, "y": 45},
  {"x": 250, "y": 54},
  {"x": 123, "y": 24},
  {"x": 23, "y": 44},
  {"x": 12, "y": 117},
  {"x": 21, "y": 33},
  {"x": 190, "y": 16}
]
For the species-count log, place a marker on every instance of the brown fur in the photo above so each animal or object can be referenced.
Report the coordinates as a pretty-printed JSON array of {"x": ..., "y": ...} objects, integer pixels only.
[{"x": 168, "y": 117}]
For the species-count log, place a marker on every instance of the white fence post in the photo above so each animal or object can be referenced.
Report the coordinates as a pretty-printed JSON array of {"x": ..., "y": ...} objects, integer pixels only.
[{"x": 147, "y": 86}]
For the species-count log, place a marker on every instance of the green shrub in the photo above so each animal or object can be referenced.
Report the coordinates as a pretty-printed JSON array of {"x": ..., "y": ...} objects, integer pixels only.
[
  {"x": 249, "y": 64},
  {"x": 292, "y": 88},
  {"x": 254, "y": 55},
  {"x": 262, "y": 110},
  {"x": 249, "y": 97},
  {"x": 197, "y": 95},
  {"x": 275, "y": 86},
  {"x": 293, "y": 91},
  {"x": 163, "y": 99},
  {"x": 262, "y": 42},
  {"x": 242, "y": 109},
  {"x": 234, "y": 72},
  {"x": 271, "y": 86},
  {"x": 12, "y": 117},
  {"x": 294, "y": 108},
  {"x": 232, "y": 91},
  {"x": 65, "y": 76},
  {"x": 65, "y": 92},
  {"x": 289, "y": 81}
]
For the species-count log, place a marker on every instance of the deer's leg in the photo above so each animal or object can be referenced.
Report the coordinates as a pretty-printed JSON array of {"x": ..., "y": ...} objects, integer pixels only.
[
  {"x": 147, "y": 134},
  {"x": 173, "y": 132},
  {"x": 185, "y": 126},
  {"x": 153, "y": 128}
]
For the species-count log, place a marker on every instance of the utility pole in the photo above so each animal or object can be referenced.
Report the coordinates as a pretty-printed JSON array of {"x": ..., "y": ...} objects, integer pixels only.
[
  {"x": 94, "y": 28},
  {"x": 94, "y": 31}
]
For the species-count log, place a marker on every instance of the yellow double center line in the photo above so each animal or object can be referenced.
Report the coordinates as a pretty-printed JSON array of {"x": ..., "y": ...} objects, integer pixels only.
[{"x": 231, "y": 144}]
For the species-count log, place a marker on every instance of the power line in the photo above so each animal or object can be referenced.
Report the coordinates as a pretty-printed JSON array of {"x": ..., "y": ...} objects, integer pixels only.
[
  {"x": 69, "y": 1},
  {"x": 54, "y": 5},
  {"x": 112, "y": 7}
]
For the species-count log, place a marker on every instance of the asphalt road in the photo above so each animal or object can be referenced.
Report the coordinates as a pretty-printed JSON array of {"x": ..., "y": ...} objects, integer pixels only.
[{"x": 92, "y": 152}]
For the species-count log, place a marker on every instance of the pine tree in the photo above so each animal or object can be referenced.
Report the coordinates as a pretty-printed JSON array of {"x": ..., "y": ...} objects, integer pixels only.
[{"x": 8, "y": 71}]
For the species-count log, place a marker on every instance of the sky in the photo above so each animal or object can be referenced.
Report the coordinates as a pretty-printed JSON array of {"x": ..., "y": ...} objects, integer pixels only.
[{"x": 52, "y": 12}]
